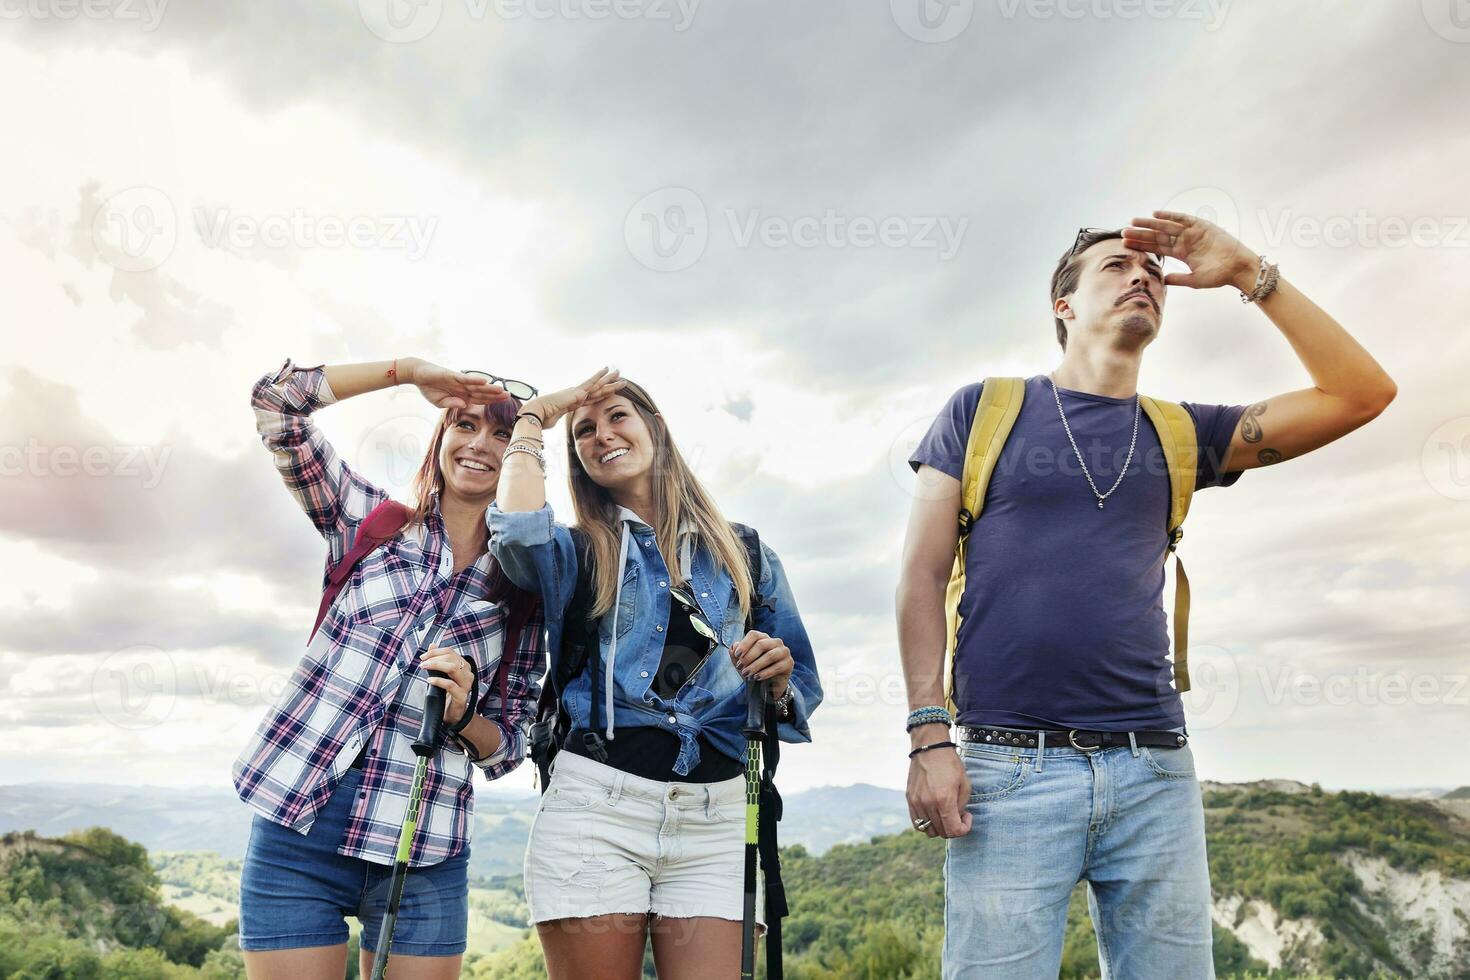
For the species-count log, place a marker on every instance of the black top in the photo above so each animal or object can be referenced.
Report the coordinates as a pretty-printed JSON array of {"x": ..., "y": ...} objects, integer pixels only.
[{"x": 648, "y": 751}]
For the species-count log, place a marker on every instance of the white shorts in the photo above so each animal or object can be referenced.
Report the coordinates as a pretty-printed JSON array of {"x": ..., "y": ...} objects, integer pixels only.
[{"x": 604, "y": 841}]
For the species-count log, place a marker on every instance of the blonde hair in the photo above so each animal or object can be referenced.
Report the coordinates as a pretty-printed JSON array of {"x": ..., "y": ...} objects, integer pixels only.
[{"x": 678, "y": 496}]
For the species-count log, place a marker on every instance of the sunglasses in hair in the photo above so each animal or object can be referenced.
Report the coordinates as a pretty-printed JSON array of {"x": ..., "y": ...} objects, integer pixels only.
[
  {"x": 516, "y": 389},
  {"x": 1095, "y": 234}
]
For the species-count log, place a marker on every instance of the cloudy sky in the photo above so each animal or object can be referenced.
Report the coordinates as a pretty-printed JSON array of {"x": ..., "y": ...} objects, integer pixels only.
[{"x": 802, "y": 226}]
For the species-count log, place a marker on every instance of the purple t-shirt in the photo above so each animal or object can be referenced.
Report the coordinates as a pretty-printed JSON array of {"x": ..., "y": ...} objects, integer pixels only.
[{"x": 1062, "y": 618}]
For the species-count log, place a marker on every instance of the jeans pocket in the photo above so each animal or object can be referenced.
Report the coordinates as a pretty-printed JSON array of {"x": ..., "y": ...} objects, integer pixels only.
[
  {"x": 993, "y": 775},
  {"x": 1176, "y": 763},
  {"x": 569, "y": 795}
]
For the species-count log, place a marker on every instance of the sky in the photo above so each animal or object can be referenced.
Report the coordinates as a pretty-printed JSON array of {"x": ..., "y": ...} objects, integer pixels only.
[{"x": 802, "y": 227}]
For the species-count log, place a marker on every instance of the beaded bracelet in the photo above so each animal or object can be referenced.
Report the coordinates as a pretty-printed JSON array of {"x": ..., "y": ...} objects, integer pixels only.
[{"x": 928, "y": 715}]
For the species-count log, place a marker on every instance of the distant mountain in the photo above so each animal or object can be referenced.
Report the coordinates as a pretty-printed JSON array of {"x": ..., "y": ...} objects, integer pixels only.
[
  {"x": 1463, "y": 793},
  {"x": 215, "y": 820}
]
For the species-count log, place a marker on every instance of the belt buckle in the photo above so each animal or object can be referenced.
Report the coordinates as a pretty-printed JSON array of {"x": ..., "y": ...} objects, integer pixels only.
[{"x": 1072, "y": 738}]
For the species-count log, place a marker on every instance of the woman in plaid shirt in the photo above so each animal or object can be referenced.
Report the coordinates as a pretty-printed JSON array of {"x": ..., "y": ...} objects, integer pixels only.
[{"x": 328, "y": 770}]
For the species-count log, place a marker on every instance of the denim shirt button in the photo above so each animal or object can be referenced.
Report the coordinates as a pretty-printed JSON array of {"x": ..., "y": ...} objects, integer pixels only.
[
  {"x": 704, "y": 595},
  {"x": 643, "y": 673},
  {"x": 663, "y": 585},
  {"x": 673, "y": 719},
  {"x": 658, "y": 629}
]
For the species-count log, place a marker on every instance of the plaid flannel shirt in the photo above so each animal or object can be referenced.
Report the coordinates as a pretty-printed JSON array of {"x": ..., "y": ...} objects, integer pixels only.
[{"x": 358, "y": 683}]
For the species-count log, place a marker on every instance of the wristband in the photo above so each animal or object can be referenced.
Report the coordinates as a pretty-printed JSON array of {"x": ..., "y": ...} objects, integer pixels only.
[
  {"x": 530, "y": 415},
  {"x": 932, "y": 745}
]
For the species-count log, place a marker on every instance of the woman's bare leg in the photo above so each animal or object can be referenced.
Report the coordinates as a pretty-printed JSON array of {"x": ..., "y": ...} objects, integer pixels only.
[
  {"x": 310, "y": 963},
  {"x": 701, "y": 948},
  {"x": 402, "y": 967},
  {"x": 608, "y": 947}
]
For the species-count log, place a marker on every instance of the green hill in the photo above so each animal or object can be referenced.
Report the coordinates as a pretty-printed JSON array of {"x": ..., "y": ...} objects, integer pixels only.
[{"x": 1307, "y": 884}]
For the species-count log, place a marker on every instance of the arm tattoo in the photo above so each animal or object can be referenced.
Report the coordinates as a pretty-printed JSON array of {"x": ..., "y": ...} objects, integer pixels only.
[
  {"x": 1250, "y": 425},
  {"x": 1269, "y": 456}
]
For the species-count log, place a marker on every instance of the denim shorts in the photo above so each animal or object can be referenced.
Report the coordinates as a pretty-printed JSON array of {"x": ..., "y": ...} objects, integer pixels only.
[
  {"x": 605, "y": 841},
  {"x": 297, "y": 891}
]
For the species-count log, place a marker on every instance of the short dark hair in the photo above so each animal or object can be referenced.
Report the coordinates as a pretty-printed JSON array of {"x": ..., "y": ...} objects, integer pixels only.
[{"x": 1068, "y": 271}]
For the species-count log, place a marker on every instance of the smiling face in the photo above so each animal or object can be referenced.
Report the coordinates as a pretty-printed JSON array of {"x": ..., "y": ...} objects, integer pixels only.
[
  {"x": 1118, "y": 292},
  {"x": 469, "y": 455},
  {"x": 613, "y": 443}
]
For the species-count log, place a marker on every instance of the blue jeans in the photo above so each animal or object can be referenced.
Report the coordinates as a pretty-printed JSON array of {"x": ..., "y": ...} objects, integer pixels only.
[
  {"x": 1129, "y": 823},
  {"x": 296, "y": 890}
]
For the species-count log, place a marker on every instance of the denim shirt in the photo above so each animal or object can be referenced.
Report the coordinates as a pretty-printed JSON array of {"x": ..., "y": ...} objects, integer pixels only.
[{"x": 538, "y": 553}]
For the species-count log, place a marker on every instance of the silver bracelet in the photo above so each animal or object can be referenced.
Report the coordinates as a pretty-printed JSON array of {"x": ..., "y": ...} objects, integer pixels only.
[
  {"x": 1266, "y": 280},
  {"x": 529, "y": 450}
]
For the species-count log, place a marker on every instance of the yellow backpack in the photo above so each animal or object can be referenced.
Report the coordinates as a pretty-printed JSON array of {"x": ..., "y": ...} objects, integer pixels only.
[{"x": 1000, "y": 404}]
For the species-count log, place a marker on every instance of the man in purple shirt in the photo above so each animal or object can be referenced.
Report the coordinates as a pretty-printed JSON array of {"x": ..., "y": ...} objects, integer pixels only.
[{"x": 1072, "y": 760}]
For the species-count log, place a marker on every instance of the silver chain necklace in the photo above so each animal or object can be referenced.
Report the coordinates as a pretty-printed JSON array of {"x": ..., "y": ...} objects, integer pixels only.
[{"x": 1136, "y": 411}]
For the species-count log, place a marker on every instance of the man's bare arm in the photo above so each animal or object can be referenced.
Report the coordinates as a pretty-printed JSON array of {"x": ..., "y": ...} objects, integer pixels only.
[
  {"x": 938, "y": 789},
  {"x": 1351, "y": 388}
]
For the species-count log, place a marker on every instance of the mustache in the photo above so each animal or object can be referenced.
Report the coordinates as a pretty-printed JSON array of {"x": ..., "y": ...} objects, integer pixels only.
[{"x": 1140, "y": 292}]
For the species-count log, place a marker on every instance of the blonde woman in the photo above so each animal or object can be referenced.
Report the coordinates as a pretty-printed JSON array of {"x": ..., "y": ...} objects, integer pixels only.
[
  {"x": 641, "y": 827},
  {"x": 328, "y": 770}
]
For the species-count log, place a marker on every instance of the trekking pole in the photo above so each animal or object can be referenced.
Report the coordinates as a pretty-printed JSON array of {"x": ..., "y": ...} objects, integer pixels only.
[
  {"x": 423, "y": 747},
  {"x": 755, "y": 733}
]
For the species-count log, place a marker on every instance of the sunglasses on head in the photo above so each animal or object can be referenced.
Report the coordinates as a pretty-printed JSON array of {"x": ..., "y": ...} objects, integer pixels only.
[
  {"x": 1088, "y": 232},
  {"x": 516, "y": 389}
]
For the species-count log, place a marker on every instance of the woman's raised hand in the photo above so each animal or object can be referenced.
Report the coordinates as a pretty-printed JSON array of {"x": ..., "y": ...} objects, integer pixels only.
[
  {"x": 453, "y": 389},
  {"x": 552, "y": 406}
]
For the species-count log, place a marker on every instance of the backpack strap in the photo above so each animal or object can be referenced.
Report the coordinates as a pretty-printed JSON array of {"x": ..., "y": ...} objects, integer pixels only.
[
  {"x": 995, "y": 416},
  {"x": 1177, "y": 436},
  {"x": 382, "y": 523},
  {"x": 578, "y": 636}
]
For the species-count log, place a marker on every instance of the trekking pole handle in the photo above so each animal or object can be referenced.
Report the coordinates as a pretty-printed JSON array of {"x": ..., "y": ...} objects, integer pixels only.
[
  {"x": 755, "y": 709},
  {"x": 433, "y": 718}
]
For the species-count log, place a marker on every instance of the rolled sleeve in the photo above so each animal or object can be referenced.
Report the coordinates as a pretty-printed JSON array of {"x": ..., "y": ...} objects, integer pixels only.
[
  {"x": 536, "y": 552},
  {"x": 784, "y": 621}
]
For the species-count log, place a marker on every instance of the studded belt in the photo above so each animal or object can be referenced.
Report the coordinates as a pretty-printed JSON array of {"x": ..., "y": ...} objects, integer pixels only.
[{"x": 1077, "y": 738}]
